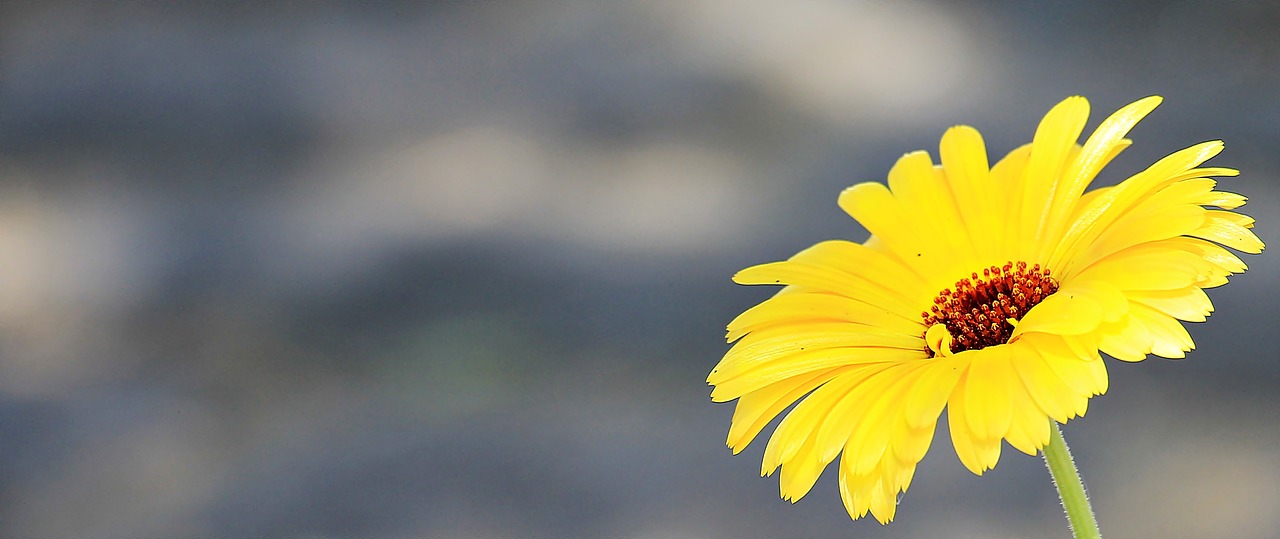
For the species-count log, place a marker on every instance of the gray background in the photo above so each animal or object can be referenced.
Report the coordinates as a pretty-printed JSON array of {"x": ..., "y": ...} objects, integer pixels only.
[{"x": 459, "y": 269}]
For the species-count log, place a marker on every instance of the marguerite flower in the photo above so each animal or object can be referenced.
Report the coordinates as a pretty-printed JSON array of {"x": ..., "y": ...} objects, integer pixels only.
[{"x": 985, "y": 290}]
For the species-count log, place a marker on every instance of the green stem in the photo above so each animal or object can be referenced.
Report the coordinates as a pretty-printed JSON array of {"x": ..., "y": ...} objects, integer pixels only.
[{"x": 1070, "y": 488}]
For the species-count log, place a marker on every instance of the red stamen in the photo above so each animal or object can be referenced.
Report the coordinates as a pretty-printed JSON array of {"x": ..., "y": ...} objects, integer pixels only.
[{"x": 977, "y": 312}]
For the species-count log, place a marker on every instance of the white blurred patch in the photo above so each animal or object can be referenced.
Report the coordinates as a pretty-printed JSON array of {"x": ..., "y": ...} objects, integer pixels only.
[
  {"x": 67, "y": 264},
  {"x": 660, "y": 197},
  {"x": 839, "y": 59},
  {"x": 500, "y": 182},
  {"x": 461, "y": 182}
]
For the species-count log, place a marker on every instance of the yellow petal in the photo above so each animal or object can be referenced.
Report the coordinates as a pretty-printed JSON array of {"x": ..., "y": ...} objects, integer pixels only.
[
  {"x": 1029, "y": 429},
  {"x": 868, "y": 265},
  {"x": 1149, "y": 266},
  {"x": 855, "y": 493},
  {"x": 988, "y": 409},
  {"x": 757, "y": 409},
  {"x": 1126, "y": 339},
  {"x": 793, "y": 272},
  {"x": 1168, "y": 338},
  {"x": 964, "y": 160},
  {"x": 1142, "y": 226},
  {"x": 778, "y": 343},
  {"x": 869, "y": 443},
  {"x": 858, "y": 407},
  {"x": 1224, "y": 200},
  {"x": 801, "y": 307},
  {"x": 884, "y": 502},
  {"x": 1190, "y": 304},
  {"x": 1215, "y": 255},
  {"x": 1085, "y": 376},
  {"x": 1093, "y": 218},
  {"x": 747, "y": 380},
  {"x": 1112, "y": 302},
  {"x": 1054, "y": 396},
  {"x": 1101, "y": 147},
  {"x": 898, "y": 228},
  {"x": 797, "y": 428},
  {"x": 1053, "y": 143},
  {"x": 930, "y": 393},
  {"x": 1224, "y": 230},
  {"x": 875, "y": 492},
  {"x": 798, "y": 475},
  {"x": 910, "y": 443},
  {"x": 1006, "y": 174},
  {"x": 922, "y": 190},
  {"x": 977, "y": 454},
  {"x": 1061, "y": 314}
]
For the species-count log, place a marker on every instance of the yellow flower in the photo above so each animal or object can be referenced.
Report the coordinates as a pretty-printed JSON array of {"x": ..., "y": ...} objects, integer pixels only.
[{"x": 987, "y": 290}]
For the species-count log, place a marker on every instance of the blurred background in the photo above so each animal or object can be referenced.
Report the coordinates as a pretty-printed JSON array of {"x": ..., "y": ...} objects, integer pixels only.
[{"x": 459, "y": 269}]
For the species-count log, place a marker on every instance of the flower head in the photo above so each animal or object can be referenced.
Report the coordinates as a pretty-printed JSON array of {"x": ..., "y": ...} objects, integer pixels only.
[{"x": 989, "y": 291}]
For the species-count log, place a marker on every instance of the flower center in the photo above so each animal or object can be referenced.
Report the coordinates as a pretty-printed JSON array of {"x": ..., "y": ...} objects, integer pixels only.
[{"x": 983, "y": 310}]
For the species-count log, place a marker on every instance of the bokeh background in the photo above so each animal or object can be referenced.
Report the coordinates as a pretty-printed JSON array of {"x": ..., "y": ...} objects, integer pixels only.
[{"x": 459, "y": 269}]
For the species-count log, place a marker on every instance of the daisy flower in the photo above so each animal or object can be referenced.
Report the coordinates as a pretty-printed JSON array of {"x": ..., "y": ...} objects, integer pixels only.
[{"x": 990, "y": 291}]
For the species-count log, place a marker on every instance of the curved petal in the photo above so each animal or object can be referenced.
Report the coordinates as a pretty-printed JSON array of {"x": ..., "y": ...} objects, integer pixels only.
[
  {"x": 1168, "y": 338},
  {"x": 1057, "y": 399},
  {"x": 799, "y": 426},
  {"x": 1126, "y": 339},
  {"x": 1149, "y": 266},
  {"x": 1102, "y": 146},
  {"x": 1092, "y": 219},
  {"x": 1029, "y": 428},
  {"x": 1054, "y": 142},
  {"x": 1227, "y": 230},
  {"x": 1190, "y": 304},
  {"x": 757, "y": 409},
  {"x": 880, "y": 457}
]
